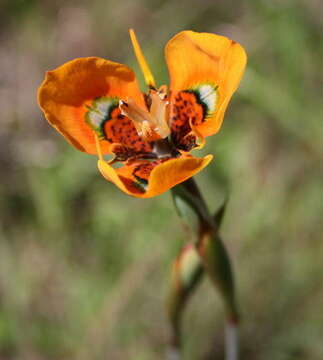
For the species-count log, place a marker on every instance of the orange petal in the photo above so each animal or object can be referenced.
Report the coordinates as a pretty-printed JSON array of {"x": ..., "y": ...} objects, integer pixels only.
[
  {"x": 200, "y": 59},
  {"x": 67, "y": 90},
  {"x": 163, "y": 176}
]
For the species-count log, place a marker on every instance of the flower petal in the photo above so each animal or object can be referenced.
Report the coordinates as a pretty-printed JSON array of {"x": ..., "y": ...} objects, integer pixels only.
[
  {"x": 68, "y": 92},
  {"x": 205, "y": 70},
  {"x": 153, "y": 179}
]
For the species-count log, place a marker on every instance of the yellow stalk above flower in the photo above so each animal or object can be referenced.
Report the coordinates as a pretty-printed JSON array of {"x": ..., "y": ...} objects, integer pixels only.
[{"x": 149, "y": 79}]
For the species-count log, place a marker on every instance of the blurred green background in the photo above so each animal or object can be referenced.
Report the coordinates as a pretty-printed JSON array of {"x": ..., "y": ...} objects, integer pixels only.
[{"x": 84, "y": 268}]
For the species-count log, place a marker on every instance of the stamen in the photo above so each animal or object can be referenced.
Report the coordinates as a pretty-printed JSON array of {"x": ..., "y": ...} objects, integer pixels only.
[
  {"x": 149, "y": 79},
  {"x": 162, "y": 92},
  {"x": 134, "y": 112},
  {"x": 158, "y": 110},
  {"x": 146, "y": 131},
  {"x": 98, "y": 147}
]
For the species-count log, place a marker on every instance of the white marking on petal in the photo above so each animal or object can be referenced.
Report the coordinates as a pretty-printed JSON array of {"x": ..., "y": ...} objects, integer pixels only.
[
  {"x": 207, "y": 94},
  {"x": 99, "y": 112}
]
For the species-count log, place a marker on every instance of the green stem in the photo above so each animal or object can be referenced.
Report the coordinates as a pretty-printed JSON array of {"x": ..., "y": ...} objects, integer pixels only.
[
  {"x": 191, "y": 197},
  {"x": 192, "y": 207}
]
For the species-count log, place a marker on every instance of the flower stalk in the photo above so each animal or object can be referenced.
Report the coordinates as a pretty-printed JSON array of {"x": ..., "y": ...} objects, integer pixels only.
[
  {"x": 213, "y": 260},
  {"x": 97, "y": 105}
]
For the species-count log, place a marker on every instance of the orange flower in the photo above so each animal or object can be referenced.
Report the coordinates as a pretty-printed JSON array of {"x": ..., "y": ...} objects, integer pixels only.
[{"x": 98, "y": 107}]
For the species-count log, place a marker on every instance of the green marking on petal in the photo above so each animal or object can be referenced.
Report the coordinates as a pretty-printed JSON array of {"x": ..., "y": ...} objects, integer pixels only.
[{"x": 100, "y": 112}]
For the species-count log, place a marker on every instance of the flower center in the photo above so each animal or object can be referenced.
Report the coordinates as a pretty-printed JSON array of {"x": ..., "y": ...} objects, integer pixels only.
[{"x": 150, "y": 124}]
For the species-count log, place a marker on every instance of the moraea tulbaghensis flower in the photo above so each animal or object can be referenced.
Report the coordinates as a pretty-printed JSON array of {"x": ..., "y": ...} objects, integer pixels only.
[{"x": 98, "y": 107}]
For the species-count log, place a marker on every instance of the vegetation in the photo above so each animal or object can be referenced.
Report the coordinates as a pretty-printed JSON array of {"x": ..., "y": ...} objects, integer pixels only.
[{"x": 84, "y": 268}]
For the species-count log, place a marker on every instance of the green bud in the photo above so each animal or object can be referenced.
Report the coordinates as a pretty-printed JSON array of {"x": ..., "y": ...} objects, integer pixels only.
[{"x": 186, "y": 274}]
